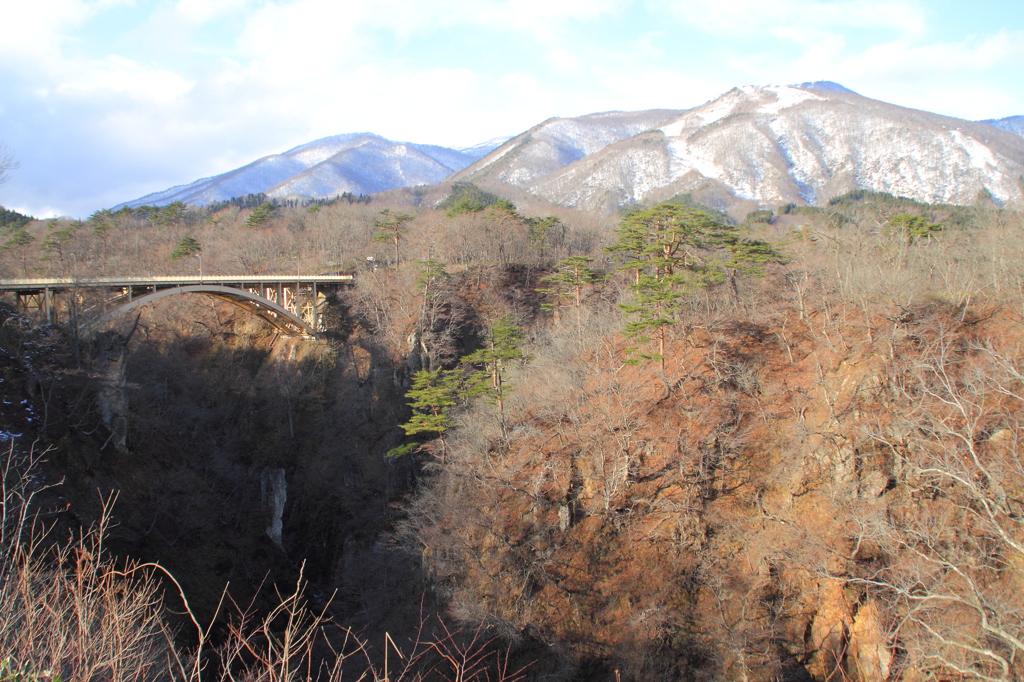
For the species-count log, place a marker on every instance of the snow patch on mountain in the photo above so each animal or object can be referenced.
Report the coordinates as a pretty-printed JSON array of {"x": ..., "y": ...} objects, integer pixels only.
[
  {"x": 824, "y": 85},
  {"x": 361, "y": 163},
  {"x": 978, "y": 154},
  {"x": 558, "y": 142},
  {"x": 685, "y": 158},
  {"x": 778, "y": 144},
  {"x": 1011, "y": 124}
]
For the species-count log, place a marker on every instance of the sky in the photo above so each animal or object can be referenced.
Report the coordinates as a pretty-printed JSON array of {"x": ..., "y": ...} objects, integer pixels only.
[{"x": 104, "y": 101}]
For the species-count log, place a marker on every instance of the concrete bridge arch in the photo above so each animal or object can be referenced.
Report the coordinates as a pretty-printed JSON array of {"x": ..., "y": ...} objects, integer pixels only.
[
  {"x": 292, "y": 305},
  {"x": 281, "y": 319}
]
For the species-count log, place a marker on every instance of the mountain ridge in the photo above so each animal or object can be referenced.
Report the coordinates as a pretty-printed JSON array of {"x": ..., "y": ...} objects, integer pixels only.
[
  {"x": 1011, "y": 124},
  {"x": 360, "y": 163},
  {"x": 799, "y": 143},
  {"x": 780, "y": 144}
]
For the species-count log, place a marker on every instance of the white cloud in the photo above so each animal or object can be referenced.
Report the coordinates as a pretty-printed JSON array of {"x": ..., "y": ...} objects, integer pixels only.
[
  {"x": 120, "y": 76},
  {"x": 171, "y": 105},
  {"x": 35, "y": 30},
  {"x": 201, "y": 11},
  {"x": 757, "y": 16},
  {"x": 900, "y": 58}
]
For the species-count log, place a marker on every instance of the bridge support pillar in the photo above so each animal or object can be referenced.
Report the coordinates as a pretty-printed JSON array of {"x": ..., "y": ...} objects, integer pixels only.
[{"x": 316, "y": 312}]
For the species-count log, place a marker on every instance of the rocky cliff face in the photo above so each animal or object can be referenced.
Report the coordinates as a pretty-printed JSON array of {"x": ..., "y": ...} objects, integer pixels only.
[{"x": 751, "y": 516}]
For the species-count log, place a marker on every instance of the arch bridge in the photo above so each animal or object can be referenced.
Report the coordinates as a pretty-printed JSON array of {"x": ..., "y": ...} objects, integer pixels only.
[{"x": 291, "y": 304}]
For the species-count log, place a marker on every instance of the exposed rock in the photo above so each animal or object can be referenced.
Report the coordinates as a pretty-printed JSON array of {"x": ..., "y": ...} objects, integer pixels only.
[
  {"x": 875, "y": 483},
  {"x": 113, "y": 399},
  {"x": 274, "y": 489},
  {"x": 415, "y": 355},
  {"x": 869, "y": 657},
  {"x": 830, "y": 632}
]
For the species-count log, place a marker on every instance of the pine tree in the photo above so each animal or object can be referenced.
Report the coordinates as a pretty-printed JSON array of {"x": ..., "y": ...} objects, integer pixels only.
[
  {"x": 391, "y": 226},
  {"x": 431, "y": 395},
  {"x": 673, "y": 250},
  {"x": 501, "y": 350},
  {"x": 188, "y": 246},
  {"x": 654, "y": 304},
  {"x": 431, "y": 272},
  {"x": 540, "y": 232},
  {"x": 259, "y": 215},
  {"x": 18, "y": 239},
  {"x": 570, "y": 278},
  {"x": 912, "y": 227},
  {"x": 56, "y": 240}
]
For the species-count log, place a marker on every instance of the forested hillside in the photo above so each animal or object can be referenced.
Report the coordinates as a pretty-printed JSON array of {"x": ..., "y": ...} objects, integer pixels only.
[{"x": 656, "y": 445}]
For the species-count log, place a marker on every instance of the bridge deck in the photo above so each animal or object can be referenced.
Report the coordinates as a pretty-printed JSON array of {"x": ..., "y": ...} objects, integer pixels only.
[{"x": 39, "y": 284}]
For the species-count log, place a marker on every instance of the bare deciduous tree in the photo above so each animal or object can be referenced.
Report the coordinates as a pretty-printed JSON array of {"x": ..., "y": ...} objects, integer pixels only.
[
  {"x": 956, "y": 581},
  {"x": 7, "y": 163}
]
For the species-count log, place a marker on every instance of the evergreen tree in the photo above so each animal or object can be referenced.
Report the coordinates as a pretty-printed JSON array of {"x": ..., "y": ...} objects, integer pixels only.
[
  {"x": 391, "y": 226},
  {"x": 631, "y": 246},
  {"x": 18, "y": 239},
  {"x": 466, "y": 198},
  {"x": 654, "y": 304},
  {"x": 501, "y": 349},
  {"x": 912, "y": 227},
  {"x": 259, "y": 215},
  {"x": 570, "y": 278},
  {"x": 188, "y": 246},
  {"x": 431, "y": 395},
  {"x": 55, "y": 241},
  {"x": 431, "y": 274},
  {"x": 12, "y": 220},
  {"x": 169, "y": 214},
  {"x": 542, "y": 231},
  {"x": 100, "y": 221},
  {"x": 674, "y": 249}
]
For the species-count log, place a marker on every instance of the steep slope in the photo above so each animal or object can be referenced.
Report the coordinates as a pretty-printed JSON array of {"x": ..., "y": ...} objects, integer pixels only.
[
  {"x": 781, "y": 144},
  {"x": 556, "y": 143},
  {"x": 360, "y": 163}
]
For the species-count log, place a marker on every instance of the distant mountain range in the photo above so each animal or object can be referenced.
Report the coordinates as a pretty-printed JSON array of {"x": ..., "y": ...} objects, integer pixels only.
[
  {"x": 557, "y": 143},
  {"x": 360, "y": 163},
  {"x": 775, "y": 144},
  {"x": 1013, "y": 124}
]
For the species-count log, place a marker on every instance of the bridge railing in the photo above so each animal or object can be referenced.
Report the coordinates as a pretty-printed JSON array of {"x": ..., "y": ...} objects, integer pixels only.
[
  {"x": 85, "y": 282},
  {"x": 273, "y": 297}
]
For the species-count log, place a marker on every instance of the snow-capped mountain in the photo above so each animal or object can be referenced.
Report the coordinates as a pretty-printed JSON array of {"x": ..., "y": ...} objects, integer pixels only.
[
  {"x": 1013, "y": 124},
  {"x": 361, "y": 163},
  {"x": 556, "y": 143},
  {"x": 779, "y": 144},
  {"x": 773, "y": 144}
]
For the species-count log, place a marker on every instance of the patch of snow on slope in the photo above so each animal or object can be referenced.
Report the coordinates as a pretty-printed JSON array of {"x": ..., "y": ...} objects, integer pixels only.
[
  {"x": 502, "y": 153},
  {"x": 517, "y": 177},
  {"x": 980, "y": 156},
  {"x": 804, "y": 167},
  {"x": 313, "y": 156},
  {"x": 489, "y": 145},
  {"x": 685, "y": 159},
  {"x": 786, "y": 98},
  {"x": 633, "y": 174},
  {"x": 706, "y": 115}
]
